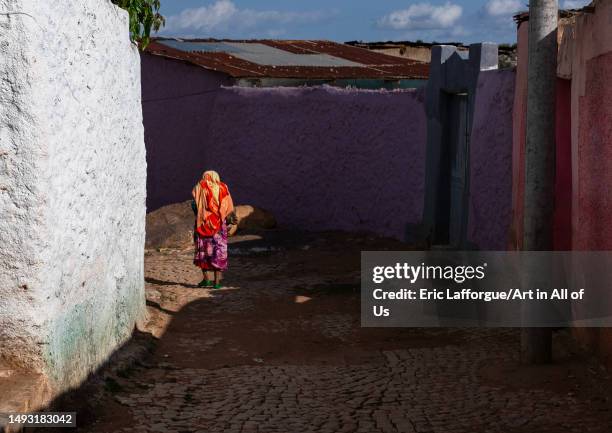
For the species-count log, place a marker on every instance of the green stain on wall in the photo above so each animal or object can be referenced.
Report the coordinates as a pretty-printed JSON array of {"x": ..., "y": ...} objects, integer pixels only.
[{"x": 86, "y": 335}]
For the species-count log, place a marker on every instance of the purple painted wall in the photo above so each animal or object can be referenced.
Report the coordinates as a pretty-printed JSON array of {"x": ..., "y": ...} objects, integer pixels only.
[
  {"x": 323, "y": 158},
  {"x": 318, "y": 158},
  {"x": 490, "y": 209}
]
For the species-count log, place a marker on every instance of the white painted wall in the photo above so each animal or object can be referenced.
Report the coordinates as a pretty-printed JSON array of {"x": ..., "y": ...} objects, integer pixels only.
[{"x": 72, "y": 185}]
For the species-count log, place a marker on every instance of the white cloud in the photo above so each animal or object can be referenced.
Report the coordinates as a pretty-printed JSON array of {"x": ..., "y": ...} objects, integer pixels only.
[
  {"x": 423, "y": 16},
  {"x": 459, "y": 32},
  {"x": 575, "y": 4},
  {"x": 495, "y": 18},
  {"x": 497, "y": 8},
  {"x": 224, "y": 16}
]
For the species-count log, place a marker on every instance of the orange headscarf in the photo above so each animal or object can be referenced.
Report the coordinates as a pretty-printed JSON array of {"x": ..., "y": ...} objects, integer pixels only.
[{"x": 214, "y": 203}]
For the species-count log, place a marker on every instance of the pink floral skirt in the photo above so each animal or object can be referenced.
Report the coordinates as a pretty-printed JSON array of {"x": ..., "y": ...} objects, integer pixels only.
[{"x": 211, "y": 252}]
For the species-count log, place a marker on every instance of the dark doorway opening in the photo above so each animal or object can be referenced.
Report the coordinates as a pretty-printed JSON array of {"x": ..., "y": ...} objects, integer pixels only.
[
  {"x": 562, "y": 220},
  {"x": 453, "y": 187}
]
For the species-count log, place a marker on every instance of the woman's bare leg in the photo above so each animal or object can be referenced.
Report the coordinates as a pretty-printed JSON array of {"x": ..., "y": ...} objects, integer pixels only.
[
  {"x": 206, "y": 278},
  {"x": 209, "y": 275},
  {"x": 217, "y": 278}
]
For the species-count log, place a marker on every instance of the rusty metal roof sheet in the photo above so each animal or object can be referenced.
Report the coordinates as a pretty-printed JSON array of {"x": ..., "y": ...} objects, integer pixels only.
[
  {"x": 521, "y": 17},
  {"x": 288, "y": 59}
]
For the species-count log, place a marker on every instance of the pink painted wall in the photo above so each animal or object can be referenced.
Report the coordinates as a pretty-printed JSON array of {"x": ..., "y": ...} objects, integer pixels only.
[
  {"x": 490, "y": 208},
  {"x": 591, "y": 68},
  {"x": 585, "y": 58},
  {"x": 592, "y": 129},
  {"x": 562, "y": 224},
  {"x": 594, "y": 206}
]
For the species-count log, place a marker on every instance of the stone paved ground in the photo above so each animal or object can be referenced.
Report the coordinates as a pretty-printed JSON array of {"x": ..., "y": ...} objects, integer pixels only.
[{"x": 280, "y": 349}]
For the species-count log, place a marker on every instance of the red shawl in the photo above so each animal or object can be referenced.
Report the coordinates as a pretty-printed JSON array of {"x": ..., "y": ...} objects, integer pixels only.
[{"x": 211, "y": 213}]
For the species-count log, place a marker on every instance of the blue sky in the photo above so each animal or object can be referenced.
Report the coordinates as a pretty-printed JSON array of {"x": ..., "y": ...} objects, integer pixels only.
[{"x": 343, "y": 20}]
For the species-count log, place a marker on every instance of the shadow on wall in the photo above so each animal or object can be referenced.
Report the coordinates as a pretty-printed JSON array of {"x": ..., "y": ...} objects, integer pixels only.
[
  {"x": 82, "y": 399},
  {"x": 490, "y": 202}
]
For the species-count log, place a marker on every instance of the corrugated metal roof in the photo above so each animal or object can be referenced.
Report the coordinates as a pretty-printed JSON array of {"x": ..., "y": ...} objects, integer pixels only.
[
  {"x": 260, "y": 53},
  {"x": 207, "y": 47},
  {"x": 288, "y": 59},
  {"x": 266, "y": 55}
]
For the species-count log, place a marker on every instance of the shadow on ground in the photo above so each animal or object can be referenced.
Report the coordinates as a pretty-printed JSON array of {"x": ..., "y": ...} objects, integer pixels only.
[{"x": 280, "y": 349}]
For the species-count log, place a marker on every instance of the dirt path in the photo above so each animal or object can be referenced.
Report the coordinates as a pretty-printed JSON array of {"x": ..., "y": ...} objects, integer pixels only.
[{"x": 280, "y": 349}]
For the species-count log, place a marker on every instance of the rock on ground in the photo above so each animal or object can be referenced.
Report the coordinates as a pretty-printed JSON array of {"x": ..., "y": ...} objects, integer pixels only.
[
  {"x": 250, "y": 217},
  {"x": 172, "y": 226}
]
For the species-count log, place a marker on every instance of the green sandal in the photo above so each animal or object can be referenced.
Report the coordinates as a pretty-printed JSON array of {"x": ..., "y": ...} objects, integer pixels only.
[
  {"x": 217, "y": 286},
  {"x": 205, "y": 283}
]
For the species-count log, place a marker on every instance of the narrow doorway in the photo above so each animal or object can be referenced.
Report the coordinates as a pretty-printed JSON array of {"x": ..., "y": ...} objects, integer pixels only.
[
  {"x": 453, "y": 187},
  {"x": 562, "y": 220}
]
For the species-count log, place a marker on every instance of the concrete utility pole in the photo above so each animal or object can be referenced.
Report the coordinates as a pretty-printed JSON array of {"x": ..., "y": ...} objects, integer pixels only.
[{"x": 536, "y": 343}]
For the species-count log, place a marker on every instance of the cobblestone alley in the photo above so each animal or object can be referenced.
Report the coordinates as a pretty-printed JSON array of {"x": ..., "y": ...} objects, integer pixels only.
[{"x": 280, "y": 349}]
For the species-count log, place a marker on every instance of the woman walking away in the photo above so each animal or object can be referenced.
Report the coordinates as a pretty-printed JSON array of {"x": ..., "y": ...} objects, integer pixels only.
[{"x": 212, "y": 204}]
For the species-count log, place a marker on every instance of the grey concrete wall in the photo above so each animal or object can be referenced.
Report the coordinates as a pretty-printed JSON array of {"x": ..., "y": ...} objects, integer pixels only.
[
  {"x": 72, "y": 186},
  {"x": 453, "y": 74}
]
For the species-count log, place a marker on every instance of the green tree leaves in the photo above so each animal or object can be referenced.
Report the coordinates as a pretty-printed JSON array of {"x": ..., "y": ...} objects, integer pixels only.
[{"x": 144, "y": 18}]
